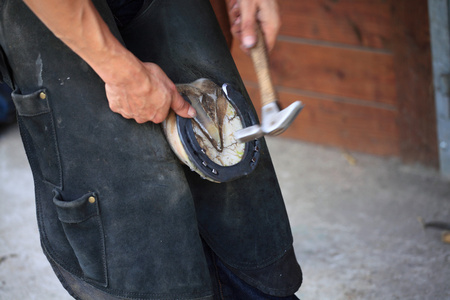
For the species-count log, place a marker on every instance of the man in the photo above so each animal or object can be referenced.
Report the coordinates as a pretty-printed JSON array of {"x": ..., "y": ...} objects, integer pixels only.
[{"x": 119, "y": 217}]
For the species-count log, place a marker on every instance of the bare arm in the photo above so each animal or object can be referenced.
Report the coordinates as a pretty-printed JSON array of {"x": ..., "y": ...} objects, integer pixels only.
[
  {"x": 136, "y": 90},
  {"x": 243, "y": 17}
]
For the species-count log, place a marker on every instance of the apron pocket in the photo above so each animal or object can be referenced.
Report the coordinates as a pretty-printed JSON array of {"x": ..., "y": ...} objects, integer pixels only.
[
  {"x": 82, "y": 225},
  {"x": 38, "y": 135}
]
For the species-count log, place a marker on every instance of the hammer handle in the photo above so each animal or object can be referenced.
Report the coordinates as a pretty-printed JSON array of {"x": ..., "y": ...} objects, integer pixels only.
[{"x": 260, "y": 60}]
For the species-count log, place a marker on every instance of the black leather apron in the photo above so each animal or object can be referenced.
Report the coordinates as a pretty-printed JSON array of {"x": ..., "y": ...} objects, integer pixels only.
[{"x": 118, "y": 215}]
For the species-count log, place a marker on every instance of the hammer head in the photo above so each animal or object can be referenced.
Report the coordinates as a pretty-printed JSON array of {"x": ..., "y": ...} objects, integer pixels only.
[
  {"x": 274, "y": 122},
  {"x": 249, "y": 133}
]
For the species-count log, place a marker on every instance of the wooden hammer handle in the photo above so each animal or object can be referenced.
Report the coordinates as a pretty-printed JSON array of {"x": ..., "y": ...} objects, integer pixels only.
[{"x": 260, "y": 58}]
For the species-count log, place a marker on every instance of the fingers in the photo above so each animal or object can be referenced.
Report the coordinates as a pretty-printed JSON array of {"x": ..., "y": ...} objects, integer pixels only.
[
  {"x": 234, "y": 15},
  {"x": 244, "y": 16},
  {"x": 152, "y": 113},
  {"x": 148, "y": 97},
  {"x": 123, "y": 104},
  {"x": 269, "y": 19},
  {"x": 248, "y": 11},
  {"x": 183, "y": 108}
]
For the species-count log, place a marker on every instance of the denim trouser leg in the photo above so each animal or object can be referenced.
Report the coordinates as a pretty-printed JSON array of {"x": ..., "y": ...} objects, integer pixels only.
[
  {"x": 232, "y": 287},
  {"x": 228, "y": 286},
  {"x": 124, "y": 10}
]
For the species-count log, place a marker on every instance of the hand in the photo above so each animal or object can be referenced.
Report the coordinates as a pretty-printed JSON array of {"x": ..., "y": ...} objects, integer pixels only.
[
  {"x": 147, "y": 96},
  {"x": 136, "y": 90},
  {"x": 244, "y": 15}
]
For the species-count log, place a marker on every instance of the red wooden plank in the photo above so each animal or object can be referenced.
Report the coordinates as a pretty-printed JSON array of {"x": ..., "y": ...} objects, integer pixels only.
[
  {"x": 354, "y": 22},
  {"x": 345, "y": 125},
  {"x": 351, "y": 73},
  {"x": 417, "y": 116}
]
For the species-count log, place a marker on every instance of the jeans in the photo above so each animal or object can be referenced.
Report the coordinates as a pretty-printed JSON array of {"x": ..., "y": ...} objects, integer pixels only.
[
  {"x": 125, "y": 10},
  {"x": 7, "y": 110},
  {"x": 228, "y": 286},
  {"x": 233, "y": 288}
]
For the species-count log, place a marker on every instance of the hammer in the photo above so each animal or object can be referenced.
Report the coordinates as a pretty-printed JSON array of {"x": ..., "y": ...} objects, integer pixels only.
[{"x": 273, "y": 121}]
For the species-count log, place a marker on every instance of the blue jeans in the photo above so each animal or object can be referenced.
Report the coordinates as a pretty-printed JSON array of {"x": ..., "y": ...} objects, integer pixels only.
[
  {"x": 228, "y": 286},
  {"x": 232, "y": 287},
  {"x": 7, "y": 109},
  {"x": 125, "y": 10}
]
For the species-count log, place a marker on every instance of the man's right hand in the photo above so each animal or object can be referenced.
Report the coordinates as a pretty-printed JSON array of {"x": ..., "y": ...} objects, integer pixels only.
[{"x": 147, "y": 96}]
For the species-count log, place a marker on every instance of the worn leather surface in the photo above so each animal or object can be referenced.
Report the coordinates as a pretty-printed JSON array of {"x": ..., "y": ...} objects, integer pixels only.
[{"x": 114, "y": 184}]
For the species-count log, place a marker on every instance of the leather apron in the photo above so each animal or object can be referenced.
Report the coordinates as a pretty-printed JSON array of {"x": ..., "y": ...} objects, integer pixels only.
[{"x": 119, "y": 216}]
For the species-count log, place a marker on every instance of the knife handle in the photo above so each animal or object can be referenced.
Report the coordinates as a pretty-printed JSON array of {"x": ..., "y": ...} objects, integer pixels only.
[{"x": 260, "y": 58}]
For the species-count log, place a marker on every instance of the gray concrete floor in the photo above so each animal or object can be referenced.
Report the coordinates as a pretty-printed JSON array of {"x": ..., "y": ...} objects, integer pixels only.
[{"x": 354, "y": 219}]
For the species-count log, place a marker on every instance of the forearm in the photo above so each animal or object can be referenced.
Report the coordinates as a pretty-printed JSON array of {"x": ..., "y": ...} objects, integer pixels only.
[
  {"x": 136, "y": 90},
  {"x": 79, "y": 25}
]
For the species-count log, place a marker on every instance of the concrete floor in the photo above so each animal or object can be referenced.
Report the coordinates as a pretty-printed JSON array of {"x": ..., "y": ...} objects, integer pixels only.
[{"x": 354, "y": 218}]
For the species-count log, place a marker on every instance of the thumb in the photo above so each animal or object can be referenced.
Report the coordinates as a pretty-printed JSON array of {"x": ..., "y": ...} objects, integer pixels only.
[
  {"x": 182, "y": 107},
  {"x": 248, "y": 24}
]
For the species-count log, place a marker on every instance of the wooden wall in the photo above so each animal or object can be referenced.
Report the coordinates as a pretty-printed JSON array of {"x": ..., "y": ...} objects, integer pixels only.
[{"x": 363, "y": 70}]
